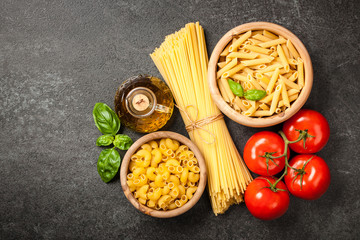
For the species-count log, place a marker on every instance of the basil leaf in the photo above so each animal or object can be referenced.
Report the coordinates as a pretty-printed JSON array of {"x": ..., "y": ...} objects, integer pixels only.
[
  {"x": 108, "y": 164},
  {"x": 236, "y": 88},
  {"x": 105, "y": 140},
  {"x": 122, "y": 142},
  {"x": 254, "y": 95},
  {"x": 105, "y": 119}
]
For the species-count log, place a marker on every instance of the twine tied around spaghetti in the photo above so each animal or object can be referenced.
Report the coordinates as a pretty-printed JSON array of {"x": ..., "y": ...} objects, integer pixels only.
[{"x": 198, "y": 124}]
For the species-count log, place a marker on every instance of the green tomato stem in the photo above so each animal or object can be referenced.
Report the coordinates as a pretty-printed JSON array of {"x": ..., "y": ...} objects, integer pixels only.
[{"x": 302, "y": 135}]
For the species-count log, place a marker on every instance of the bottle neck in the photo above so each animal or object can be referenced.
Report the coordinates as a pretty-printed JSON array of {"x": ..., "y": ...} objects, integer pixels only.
[{"x": 140, "y": 102}]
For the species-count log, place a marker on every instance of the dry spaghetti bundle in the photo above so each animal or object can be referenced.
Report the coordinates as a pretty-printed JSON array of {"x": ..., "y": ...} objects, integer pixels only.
[{"x": 182, "y": 61}]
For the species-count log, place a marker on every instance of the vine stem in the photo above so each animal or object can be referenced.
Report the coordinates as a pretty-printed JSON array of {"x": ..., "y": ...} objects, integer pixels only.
[{"x": 285, "y": 154}]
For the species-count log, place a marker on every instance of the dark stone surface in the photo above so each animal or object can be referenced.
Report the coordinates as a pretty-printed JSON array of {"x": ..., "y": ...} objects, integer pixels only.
[{"x": 58, "y": 58}]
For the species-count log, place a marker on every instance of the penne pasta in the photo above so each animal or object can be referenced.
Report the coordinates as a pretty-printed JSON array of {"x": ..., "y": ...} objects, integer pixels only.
[
  {"x": 239, "y": 77},
  {"x": 253, "y": 82},
  {"x": 292, "y": 91},
  {"x": 293, "y": 77},
  {"x": 291, "y": 99},
  {"x": 234, "y": 40},
  {"x": 248, "y": 85},
  {"x": 249, "y": 71},
  {"x": 261, "y": 55},
  {"x": 223, "y": 92},
  {"x": 250, "y": 111},
  {"x": 254, "y": 41},
  {"x": 267, "y": 99},
  {"x": 263, "y": 106},
  {"x": 256, "y": 32},
  {"x": 275, "y": 100},
  {"x": 292, "y": 61},
  {"x": 263, "y": 85},
  {"x": 301, "y": 72},
  {"x": 262, "y": 38},
  {"x": 242, "y": 55},
  {"x": 274, "y": 54},
  {"x": 254, "y": 104},
  {"x": 227, "y": 67},
  {"x": 261, "y": 60},
  {"x": 261, "y": 66},
  {"x": 290, "y": 83},
  {"x": 240, "y": 104},
  {"x": 256, "y": 61},
  {"x": 281, "y": 72},
  {"x": 272, "y": 82},
  {"x": 257, "y": 49},
  {"x": 227, "y": 89},
  {"x": 262, "y": 113},
  {"x": 285, "y": 50},
  {"x": 262, "y": 78},
  {"x": 225, "y": 52},
  {"x": 239, "y": 41},
  {"x": 227, "y": 60},
  {"x": 269, "y": 34},
  {"x": 271, "y": 68},
  {"x": 292, "y": 49},
  {"x": 283, "y": 58},
  {"x": 273, "y": 42},
  {"x": 246, "y": 103},
  {"x": 221, "y": 64},
  {"x": 287, "y": 75},
  {"x": 284, "y": 94},
  {"x": 233, "y": 70}
]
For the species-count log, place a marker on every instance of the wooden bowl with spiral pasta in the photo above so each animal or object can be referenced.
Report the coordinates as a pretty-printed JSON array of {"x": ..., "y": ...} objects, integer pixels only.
[{"x": 130, "y": 192}]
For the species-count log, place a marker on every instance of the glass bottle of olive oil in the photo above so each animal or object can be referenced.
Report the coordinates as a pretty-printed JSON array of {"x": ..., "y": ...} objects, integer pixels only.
[{"x": 144, "y": 103}]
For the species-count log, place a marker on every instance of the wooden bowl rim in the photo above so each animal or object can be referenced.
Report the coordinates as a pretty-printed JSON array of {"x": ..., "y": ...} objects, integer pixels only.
[
  {"x": 169, "y": 213},
  {"x": 277, "y": 118}
]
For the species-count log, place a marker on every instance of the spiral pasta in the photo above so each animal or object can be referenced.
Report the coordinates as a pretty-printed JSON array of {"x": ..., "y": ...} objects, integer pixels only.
[{"x": 163, "y": 174}]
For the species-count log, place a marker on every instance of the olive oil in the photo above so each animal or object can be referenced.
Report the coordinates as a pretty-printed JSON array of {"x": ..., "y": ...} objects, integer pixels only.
[{"x": 144, "y": 103}]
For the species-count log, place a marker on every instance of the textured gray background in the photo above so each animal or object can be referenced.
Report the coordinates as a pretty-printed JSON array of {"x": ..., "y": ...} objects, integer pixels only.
[{"x": 57, "y": 59}]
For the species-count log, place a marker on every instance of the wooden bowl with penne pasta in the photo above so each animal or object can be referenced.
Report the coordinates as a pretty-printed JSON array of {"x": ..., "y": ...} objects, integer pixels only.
[
  {"x": 163, "y": 174},
  {"x": 260, "y": 74}
]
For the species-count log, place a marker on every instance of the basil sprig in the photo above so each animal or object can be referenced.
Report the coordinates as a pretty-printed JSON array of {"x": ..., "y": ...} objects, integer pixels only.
[
  {"x": 105, "y": 119},
  {"x": 108, "y": 123},
  {"x": 108, "y": 164},
  {"x": 236, "y": 88},
  {"x": 105, "y": 140},
  {"x": 253, "y": 94},
  {"x": 122, "y": 142}
]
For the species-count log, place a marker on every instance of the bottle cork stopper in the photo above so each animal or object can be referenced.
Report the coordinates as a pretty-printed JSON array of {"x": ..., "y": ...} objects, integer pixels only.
[{"x": 140, "y": 102}]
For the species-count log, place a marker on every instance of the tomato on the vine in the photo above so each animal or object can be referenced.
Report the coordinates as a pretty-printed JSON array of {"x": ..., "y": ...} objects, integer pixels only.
[
  {"x": 265, "y": 202},
  {"x": 258, "y": 147},
  {"x": 312, "y": 178},
  {"x": 310, "y": 123}
]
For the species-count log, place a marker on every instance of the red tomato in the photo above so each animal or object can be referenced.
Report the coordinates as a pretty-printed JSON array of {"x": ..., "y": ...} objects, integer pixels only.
[
  {"x": 314, "y": 123},
  {"x": 260, "y": 144},
  {"x": 264, "y": 203},
  {"x": 316, "y": 178}
]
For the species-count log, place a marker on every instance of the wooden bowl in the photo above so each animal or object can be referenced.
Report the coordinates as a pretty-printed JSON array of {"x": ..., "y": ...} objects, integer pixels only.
[
  {"x": 266, "y": 121},
  {"x": 125, "y": 167}
]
